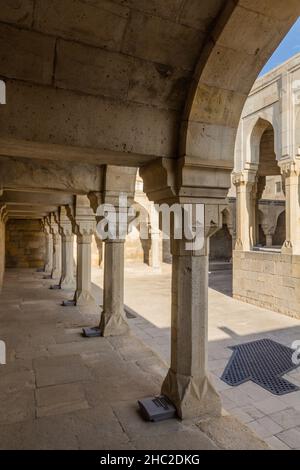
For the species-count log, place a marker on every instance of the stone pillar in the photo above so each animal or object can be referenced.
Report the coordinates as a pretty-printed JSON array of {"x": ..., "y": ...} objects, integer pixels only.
[
  {"x": 3, "y": 219},
  {"x": 113, "y": 321},
  {"x": 187, "y": 383},
  {"x": 67, "y": 280},
  {"x": 291, "y": 173},
  {"x": 85, "y": 227},
  {"x": 245, "y": 183},
  {"x": 166, "y": 249},
  {"x": 49, "y": 247},
  {"x": 56, "y": 265},
  {"x": 155, "y": 254}
]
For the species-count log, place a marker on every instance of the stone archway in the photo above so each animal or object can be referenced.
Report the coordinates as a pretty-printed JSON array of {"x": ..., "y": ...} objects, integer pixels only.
[{"x": 138, "y": 84}]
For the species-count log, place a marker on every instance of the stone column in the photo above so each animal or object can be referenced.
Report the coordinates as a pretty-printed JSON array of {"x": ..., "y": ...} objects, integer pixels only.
[
  {"x": 67, "y": 280},
  {"x": 49, "y": 247},
  {"x": 113, "y": 321},
  {"x": 245, "y": 183},
  {"x": 85, "y": 227},
  {"x": 3, "y": 219},
  {"x": 56, "y": 266},
  {"x": 155, "y": 254},
  {"x": 291, "y": 173},
  {"x": 187, "y": 383}
]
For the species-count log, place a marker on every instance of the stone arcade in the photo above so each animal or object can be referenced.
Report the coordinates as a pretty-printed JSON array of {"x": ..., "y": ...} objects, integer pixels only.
[
  {"x": 266, "y": 177},
  {"x": 96, "y": 90}
]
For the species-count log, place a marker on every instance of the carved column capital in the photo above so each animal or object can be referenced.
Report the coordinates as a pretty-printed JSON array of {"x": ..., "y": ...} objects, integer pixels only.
[
  {"x": 3, "y": 213},
  {"x": 290, "y": 168},
  {"x": 65, "y": 224},
  {"x": 246, "y": 178},
  {"x": 85, "y": 219}
]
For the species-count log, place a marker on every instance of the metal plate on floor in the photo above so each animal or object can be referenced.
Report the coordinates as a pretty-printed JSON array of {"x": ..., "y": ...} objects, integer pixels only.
[
  {"x": 264, "y": 362},
  {"x": 68, "y": 303},
  {"x": 91, "y": 332},
  {"x": 157, "y": 408}
]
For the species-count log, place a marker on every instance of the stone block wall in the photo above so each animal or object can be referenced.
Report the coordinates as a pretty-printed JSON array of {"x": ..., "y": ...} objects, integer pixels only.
[
  {"x": 269, "y": 280},
  {"x": 2, "y": 252},
  {"x": 25, "y": 244}
]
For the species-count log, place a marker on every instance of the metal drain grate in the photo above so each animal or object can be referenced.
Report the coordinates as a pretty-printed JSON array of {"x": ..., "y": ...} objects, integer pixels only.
[{"x": 264, "y": 362}]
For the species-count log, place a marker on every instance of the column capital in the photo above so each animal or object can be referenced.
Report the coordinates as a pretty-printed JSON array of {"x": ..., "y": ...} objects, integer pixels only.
[
  {"x": 54, "y": 227},
  {"x": 290, "y": 168},
  {"x": 3, "y": 213},
  {"x": 85, "y": 218},
  {"x": 65, "y": 224},
  {"x": 244, "y": 178}
]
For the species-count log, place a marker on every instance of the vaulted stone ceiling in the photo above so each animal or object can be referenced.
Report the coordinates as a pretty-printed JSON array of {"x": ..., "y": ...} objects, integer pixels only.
[{"x": 126, "y": 81}]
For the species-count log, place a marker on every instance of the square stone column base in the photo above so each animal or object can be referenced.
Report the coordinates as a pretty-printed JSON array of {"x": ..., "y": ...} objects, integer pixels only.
[{"x": 193, "y": 397}]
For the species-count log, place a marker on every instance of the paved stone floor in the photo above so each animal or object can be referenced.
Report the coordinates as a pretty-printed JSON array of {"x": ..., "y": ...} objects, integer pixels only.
[
  {"x": 274, "y": 419},
  {"x": 61, "y": 391}
]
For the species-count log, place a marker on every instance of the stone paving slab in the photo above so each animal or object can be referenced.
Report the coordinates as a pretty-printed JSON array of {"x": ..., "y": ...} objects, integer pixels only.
[
  {"x": 62, "y": 391},
  {"x": 231, "y": 322},
  {"x": 60, "y": 370}
]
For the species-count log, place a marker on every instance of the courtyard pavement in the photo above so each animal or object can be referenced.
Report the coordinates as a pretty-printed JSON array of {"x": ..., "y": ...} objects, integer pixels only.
[
  {"x": 276, "y": 419},
  {"x": 59, "y": 390}
]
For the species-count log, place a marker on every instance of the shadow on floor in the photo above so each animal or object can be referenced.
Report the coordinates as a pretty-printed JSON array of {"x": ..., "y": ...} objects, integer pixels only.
[{"x": 221, "y": 281}]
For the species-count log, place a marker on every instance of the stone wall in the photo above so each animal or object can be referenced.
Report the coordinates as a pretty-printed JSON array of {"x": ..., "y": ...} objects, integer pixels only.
[
  {"x": 25, "y": 244},
  {"x": 2, "y": 251},
  {"x": 270, "y": 280}
]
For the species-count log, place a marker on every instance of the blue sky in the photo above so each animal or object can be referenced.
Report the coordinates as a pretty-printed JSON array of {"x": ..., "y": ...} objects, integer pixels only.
[{"x": 288, "y": 47}]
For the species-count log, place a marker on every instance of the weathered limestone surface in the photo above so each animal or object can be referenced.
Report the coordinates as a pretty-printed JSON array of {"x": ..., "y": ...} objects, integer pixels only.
[
  {"x": 270, "y": 280},
  {"x": 85, "y": 226},
  {"x": 22, "y": 173},
  {"x": 2, "y": 241},
  {"x": 67, "y": 280},
  {"x": 187, "y": 383},
  {"x": 25, "y": 244},
  {"x": 121, "y": 73},
  {"x": 163, "y": 84},
  {"x": 267, "y": 145}
]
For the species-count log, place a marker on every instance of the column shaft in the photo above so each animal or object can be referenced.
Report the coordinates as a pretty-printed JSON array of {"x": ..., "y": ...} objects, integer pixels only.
[
  {"x": 67, "y": 280},
  {"x": 291, "y": 172},
  {"x": 56, "y": 268},
  {"x": 187, "y": 384},
  {"x": 49, "y": 253},
  {"x": 113, "y": 321},
  {"x": 245, "y": 217},
  {"x": 83, "y": 294}
]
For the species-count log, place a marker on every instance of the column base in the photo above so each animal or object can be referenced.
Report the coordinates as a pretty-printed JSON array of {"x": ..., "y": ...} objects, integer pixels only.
[
  {"x": 112, "y": 324},
  {"x": 193, "y": 396},
  {"x": 48, "y": 269},
  {"x": 55, "y": 274},
  {"x": 289, "y": 248},
  {"x": 68, "y": 284},
  {"x": 55, "y": 287},
  {"x": 239, "y": 245},
  {"x": 84, "y": 299}
]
